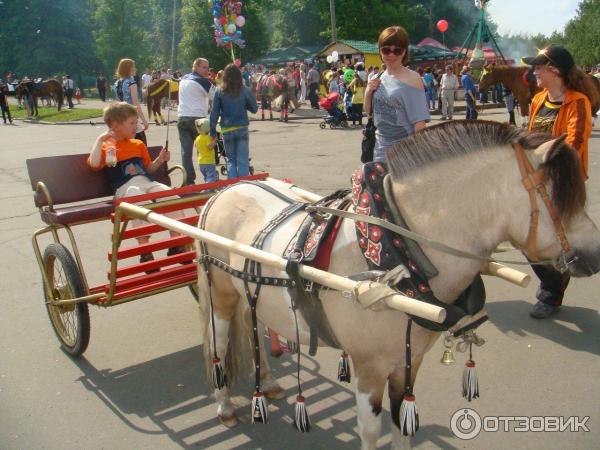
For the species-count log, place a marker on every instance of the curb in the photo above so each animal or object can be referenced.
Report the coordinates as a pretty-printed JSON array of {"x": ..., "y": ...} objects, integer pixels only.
[{"x": 459, "y": 108}]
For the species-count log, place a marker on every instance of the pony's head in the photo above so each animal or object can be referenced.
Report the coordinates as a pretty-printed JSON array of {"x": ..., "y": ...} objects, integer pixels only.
[{"x": 488, "y": 163}]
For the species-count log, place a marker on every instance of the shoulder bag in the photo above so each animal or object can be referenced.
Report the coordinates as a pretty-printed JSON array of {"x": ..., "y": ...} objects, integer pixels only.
[{"x": 368, "y": 140}]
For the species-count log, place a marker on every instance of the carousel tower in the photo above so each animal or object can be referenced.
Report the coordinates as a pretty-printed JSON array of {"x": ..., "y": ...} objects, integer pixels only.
[{"x": 481, "y": 33}]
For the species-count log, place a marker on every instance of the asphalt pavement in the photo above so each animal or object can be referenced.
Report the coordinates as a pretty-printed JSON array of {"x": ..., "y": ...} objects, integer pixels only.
[{"x": 141, "y": 383}]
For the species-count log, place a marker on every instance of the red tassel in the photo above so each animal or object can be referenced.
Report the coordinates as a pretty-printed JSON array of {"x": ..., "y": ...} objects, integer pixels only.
[
  {"x": 344, "y": 374},
  {"x": 409, "y": 416},
  {"x": 470, "y": 381},
  {"x": 260, "y": 412},
  {"x": 301, "y": 419}
]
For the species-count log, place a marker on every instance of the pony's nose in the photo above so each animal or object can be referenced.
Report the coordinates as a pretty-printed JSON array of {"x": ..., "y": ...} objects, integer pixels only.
[{"x": 587, "y": 263}]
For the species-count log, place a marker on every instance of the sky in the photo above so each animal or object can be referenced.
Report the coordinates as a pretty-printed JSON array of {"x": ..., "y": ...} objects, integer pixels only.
[{"x": 532, "y": 16}]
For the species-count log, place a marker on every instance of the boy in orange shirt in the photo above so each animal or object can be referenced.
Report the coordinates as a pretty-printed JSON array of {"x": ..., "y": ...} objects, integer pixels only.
[{"x": 127, "y": 162}]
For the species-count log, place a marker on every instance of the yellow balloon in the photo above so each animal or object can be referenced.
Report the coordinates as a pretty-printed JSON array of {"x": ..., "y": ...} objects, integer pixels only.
[{"x": 233, "y": 17}]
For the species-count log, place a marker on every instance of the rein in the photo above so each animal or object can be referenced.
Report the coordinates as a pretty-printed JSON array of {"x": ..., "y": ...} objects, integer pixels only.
[{"x": 533, "y": 181}]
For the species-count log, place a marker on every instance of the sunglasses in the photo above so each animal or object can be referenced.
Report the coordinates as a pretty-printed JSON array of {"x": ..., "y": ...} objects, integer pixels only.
[{"x": 395, "y": 50}]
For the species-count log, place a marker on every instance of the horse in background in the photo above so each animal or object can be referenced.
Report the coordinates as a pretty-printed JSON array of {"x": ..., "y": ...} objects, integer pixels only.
[
  {"x": 269, "y": 87},
  {"x": 32, "y": 91},
  {"x": 515, "y": 79},
  {"x": 157, "y": 91}
]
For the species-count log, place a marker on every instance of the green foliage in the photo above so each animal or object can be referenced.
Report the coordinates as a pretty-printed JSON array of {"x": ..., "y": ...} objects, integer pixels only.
[
  {"x": 582, "y": 34},
  {"x": 119, "y": 33}
]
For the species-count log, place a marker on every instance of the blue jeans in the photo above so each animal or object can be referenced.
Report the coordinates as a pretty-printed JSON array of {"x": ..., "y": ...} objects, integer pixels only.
[
  {"x": 237, "y": 150},
  {"x": 471, "y": 111},
  {"x": 209, "y": 172},
  {"x": 187, "y": 134}
]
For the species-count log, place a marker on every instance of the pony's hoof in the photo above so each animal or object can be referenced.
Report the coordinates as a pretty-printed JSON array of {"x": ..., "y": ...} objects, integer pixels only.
[
  {"x": 275, "y": 393},
  {"x": 228, "y": 421}
]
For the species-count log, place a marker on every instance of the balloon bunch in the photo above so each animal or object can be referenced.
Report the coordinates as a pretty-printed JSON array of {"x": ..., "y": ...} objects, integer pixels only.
[
  {"x": 227, "y": 21},
  {"x": 333, "y": 58}
]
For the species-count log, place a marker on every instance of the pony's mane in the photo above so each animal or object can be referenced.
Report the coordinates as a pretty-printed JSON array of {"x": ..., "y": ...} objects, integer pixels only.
[
  {"x": 463, "y": 137},
  {"x": 446, "y": 140}
]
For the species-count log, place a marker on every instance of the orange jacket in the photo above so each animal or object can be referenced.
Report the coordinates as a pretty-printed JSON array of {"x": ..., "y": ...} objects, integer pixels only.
[{"x": 574, "y": 118}]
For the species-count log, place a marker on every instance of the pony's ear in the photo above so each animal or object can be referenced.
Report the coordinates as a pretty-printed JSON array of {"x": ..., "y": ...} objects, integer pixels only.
[{"x": 550, "y": 149}]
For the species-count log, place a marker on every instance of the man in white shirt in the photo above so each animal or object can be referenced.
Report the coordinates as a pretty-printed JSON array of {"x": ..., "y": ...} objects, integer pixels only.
[
  {"x": 449, "y": 86},
  {"x": 146, "y": 80},
  {"x": 68, "y": 86},
  {"x": 195, "y": 94}
]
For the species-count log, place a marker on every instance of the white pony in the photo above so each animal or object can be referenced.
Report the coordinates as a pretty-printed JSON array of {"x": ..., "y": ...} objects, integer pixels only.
[{"x": 458, "y": 183}]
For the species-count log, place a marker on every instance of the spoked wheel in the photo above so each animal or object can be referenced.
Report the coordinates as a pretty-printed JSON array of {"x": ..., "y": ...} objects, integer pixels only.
[
  {"x": 322, "y": 125},
  {"x": 71, "y": 323}
]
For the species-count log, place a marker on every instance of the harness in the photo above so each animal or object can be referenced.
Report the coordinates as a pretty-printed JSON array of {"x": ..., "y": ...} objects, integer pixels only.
[{"x": 158, "y": 89}]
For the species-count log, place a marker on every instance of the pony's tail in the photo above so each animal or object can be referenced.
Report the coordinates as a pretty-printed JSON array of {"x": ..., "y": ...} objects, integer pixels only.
[{"x": 239, "y": 351}]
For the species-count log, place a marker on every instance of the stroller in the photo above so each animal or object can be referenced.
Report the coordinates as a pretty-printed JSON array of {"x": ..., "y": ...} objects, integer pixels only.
[
  {"x": 220, "y": 153},
  {"x": 335, "y": 118}
]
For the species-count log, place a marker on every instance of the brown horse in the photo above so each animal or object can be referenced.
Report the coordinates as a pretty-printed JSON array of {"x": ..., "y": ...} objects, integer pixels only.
[
  {"x": 514, "y": 79},
  {"x": 157, "y": 90},
  {"x": 48, "y": 88},
  {"x": 268, "y": 88}
]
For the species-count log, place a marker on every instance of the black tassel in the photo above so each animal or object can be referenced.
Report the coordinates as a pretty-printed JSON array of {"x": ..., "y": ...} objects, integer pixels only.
[
  {"x": 218, "y": 374},
  {"x": 260, "y": 412},
  {"x": 292, "y": 347},
  {"x": 344, "y": 374},
  {"x": 470, "y": 381},
  {"x": 409, "y": 416},
  {"x": 301, "y": 419}
]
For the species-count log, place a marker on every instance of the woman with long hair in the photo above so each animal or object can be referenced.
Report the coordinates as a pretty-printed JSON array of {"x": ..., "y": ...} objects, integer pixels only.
[
  {"x": 396, "y": 98},
  {"x": 562, "y": 107},
  {"x": 126, "y": 90},
  {"x": 231, "y": 104}
]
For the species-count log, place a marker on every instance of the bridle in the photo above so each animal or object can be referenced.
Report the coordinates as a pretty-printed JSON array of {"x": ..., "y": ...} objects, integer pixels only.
[{"x": 534, "y": 182}]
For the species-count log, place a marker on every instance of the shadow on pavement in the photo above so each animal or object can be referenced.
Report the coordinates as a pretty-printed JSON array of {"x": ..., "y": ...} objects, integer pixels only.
[{"x": 513, "y": 316}]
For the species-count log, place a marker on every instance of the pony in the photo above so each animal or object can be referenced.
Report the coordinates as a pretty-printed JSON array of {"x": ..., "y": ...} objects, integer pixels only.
[
  {"x": 458, "y": 183},
  {"x": 514, "y": 78},
  {"x": 157, "y": 90},
  {"x": 269, "y": 87},
  {"x": 49, "y": 88}
]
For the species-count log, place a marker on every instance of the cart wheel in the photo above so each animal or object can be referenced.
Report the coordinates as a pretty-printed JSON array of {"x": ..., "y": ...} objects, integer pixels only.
[
  {"x": 323, "y": 125},
  {"x": 223, "y": 170},
  {"x": 71, "y": 323}
]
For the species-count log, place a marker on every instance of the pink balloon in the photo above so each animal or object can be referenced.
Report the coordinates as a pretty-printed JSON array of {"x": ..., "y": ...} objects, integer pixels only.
[
  {"x": 442, "y": 25},
  {"x": 240, "y": 21}
]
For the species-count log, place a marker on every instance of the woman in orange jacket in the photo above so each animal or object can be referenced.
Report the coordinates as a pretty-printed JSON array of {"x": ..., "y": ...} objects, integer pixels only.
[{"x": 562, "y": 107}]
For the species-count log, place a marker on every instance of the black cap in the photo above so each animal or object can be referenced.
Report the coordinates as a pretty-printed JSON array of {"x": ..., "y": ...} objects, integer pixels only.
[{"x": 553, "y": 55}]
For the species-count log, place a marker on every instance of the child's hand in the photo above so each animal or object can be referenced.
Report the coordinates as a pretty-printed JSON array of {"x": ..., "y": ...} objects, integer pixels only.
[
  {"x": 107, "y": 135},
  {"x": 164, "y": 155}
]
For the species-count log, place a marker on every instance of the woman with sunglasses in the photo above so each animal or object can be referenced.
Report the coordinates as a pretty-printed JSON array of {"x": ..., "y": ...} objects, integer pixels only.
[
  {"x": 562, "y": 107},
  {"x": 395, "y": 99}
]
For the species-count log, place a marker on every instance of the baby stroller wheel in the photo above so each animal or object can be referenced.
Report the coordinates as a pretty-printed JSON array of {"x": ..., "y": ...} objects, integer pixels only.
[
  {"x": 322, "y": 125},
  {"x": 223, "y": 170},
  {"x": 331, "y": 126},
  {"x": 344, "y": 124}
]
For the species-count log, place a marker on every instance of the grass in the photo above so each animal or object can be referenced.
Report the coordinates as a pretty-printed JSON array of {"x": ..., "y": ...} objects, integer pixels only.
[{"x": 53, "y": 115}]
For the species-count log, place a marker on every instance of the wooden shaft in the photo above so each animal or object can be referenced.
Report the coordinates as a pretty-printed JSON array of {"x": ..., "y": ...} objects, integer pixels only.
[
  {"x": 506, "y": 273},
  {"x": 337, "y": 282}
]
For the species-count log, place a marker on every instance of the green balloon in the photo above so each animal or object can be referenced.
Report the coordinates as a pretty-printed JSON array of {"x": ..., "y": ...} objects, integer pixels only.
[{"x": 348, "y": 75}]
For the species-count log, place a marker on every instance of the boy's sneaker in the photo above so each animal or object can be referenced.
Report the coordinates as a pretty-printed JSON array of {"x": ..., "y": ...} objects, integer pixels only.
[
  {"x": 146, "y": 257},
  {"x": 176, "y": 251},
  {"x": 542, "y": 310}
]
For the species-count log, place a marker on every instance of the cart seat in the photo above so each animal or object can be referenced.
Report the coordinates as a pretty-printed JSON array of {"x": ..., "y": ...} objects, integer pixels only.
[
  {"x": 71, "y": 215},
  {"x": 83, "y": 194}
]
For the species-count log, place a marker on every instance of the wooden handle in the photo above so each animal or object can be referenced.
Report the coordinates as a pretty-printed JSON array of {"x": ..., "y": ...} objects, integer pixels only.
[{"x": 506, "y": 273}]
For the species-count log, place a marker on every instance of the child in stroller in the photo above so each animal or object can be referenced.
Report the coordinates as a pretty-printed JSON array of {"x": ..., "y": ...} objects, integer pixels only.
[{"x": 335, "y": 115}]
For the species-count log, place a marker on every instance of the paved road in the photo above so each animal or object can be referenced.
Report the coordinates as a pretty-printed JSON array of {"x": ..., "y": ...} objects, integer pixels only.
[{"x": 141, "y": 383}]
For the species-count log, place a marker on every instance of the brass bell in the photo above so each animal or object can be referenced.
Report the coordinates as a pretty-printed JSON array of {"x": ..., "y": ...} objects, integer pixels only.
[{"x": 448, "y": 358}]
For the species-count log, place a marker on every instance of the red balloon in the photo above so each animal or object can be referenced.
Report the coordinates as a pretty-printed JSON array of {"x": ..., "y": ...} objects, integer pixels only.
[{"x": 442, "y": 25}]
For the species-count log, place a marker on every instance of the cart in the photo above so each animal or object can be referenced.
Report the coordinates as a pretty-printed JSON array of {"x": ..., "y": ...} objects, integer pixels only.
[{"x": 68, "y": 194}]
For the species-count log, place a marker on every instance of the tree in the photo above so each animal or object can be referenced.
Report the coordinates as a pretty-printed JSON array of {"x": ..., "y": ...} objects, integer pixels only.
[
  {"x": 46, "y": 38},
  {"x": 120, "y": 33},
  {"x": 197, "y": 38},
  {"x": 582, "y": 34}
]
